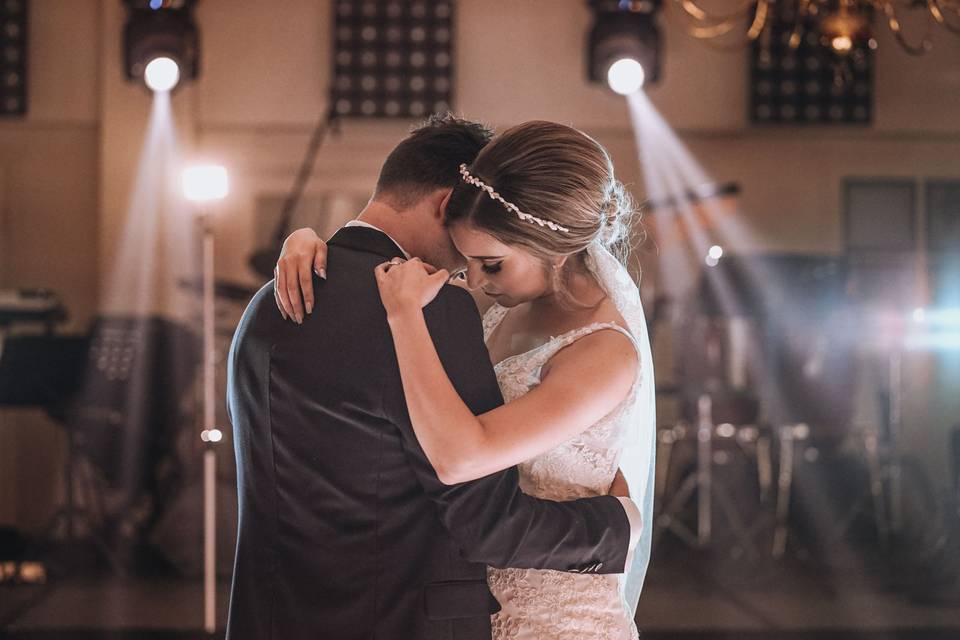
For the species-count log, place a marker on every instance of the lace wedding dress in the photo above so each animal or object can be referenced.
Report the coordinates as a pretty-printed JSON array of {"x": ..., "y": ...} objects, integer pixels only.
[{"x": 557, "y": 605}]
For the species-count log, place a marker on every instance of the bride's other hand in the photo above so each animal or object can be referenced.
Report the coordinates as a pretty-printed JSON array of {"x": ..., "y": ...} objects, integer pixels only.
[
  {"x": 619, "y": 486},
  {"x": 303, "y": 251},
  {"x": 408, "y": 286}
]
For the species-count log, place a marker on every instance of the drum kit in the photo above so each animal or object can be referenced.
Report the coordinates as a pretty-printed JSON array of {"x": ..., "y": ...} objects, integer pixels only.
[{"x": 764, "y": 434}]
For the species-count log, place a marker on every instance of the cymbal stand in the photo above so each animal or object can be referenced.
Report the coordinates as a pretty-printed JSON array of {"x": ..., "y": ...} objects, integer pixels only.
[{"x": 702, "y": 482}]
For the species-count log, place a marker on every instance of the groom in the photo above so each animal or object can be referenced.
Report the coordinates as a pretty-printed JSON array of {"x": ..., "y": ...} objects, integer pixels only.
[{"x": 345, "y": 531}]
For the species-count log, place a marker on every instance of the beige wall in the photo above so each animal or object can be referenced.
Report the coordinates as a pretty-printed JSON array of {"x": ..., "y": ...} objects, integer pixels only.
[
  {"x": 50, "y": 160},
  {"x": 48, "y": 225},
  {"x": 524, "y": 60},
  {"x": 68, "y": 169}
]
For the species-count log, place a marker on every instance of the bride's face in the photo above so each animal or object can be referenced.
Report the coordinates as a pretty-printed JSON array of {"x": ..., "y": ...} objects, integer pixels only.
[{"x": 507, "y": 273}]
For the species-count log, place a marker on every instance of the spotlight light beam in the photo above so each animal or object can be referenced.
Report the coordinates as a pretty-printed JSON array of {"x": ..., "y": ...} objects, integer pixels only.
[
  {"x": 674, "y": 270},
  {"x": 670, "y": 173},
  {"x": 697, "y": 196},
  {"x": 665, "y": 152},
  {"x": 155, "y": 245},
  {"x": 130, "y": 286}
]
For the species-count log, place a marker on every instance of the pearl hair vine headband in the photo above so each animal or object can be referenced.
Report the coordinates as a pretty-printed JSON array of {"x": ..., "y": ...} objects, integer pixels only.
[{"x": 526, "y": 217}]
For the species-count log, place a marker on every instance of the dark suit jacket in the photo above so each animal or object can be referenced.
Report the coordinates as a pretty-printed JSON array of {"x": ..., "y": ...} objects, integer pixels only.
[{"x": 345, "y": 531}]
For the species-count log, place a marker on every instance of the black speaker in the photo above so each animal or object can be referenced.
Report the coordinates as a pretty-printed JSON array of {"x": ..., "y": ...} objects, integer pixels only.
[
  {"x": 41, "y": 371},
  {"x": 139, "y": 371}
]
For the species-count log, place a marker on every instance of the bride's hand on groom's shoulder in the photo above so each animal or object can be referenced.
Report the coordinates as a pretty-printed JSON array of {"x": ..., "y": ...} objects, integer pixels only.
[
  {"x": 302, "y": 255},
  {"x": 408, "y": 285}
]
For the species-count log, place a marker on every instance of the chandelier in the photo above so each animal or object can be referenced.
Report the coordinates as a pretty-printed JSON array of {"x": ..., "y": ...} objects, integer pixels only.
[{"x": 840, "y": 25}]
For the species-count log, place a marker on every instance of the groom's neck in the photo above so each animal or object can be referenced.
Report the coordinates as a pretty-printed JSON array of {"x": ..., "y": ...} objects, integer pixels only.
[{"x": 405, "y": 227}]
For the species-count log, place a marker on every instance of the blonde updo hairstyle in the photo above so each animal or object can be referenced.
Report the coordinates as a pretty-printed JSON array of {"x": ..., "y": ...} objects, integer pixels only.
[{"x": 553, "y": 172}]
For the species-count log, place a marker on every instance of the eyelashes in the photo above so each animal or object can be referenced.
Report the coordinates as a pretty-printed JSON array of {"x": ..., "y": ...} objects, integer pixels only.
[{"x": 491, "y": 268}]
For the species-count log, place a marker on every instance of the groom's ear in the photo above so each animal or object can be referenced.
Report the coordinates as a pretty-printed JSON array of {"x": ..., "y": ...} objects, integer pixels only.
[{"x": 442, "y": 209}]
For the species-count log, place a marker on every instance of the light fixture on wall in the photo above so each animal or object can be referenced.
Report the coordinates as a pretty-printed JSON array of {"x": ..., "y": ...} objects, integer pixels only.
[
  {"x": 13, "y": 58},
  {"x": 161, "y": 43},
  {"x": 623, "y": 48},
  {"x": 392, "y": 58},
  {"x": 822, "y": 76},
  {"x": 838, "y": 25}
]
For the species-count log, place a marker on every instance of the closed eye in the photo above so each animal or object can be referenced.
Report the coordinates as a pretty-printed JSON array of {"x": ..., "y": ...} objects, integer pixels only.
[{"x": 491, "y": 268}]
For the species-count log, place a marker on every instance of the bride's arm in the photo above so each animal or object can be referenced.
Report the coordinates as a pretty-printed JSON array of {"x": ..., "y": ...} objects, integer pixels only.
[
  {"x": 302, "y": 255},
  {"x": 580, "y": 385}
]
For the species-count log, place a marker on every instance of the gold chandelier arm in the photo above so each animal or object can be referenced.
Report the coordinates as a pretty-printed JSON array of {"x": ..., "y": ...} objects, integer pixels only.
[
  {"x": 706, "y": 34},
  {"x": 894, "y": 24},
  {"x": 937, "y": 13},
  {"x": 713, "y": 31},
  {"x": 707, "y": 27},
  {"x": 759, "y": 20},
  {"x": 692, "y": 9}
]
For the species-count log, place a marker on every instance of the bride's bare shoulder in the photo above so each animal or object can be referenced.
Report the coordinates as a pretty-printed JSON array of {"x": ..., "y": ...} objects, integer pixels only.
[
  {"x": 607, "y": 312},
  {"x": 612, "y": 348},
  {"x": 605, "y": 361}
]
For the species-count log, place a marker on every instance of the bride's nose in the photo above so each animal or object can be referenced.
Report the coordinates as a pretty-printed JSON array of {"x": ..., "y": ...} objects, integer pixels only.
[{"x": 475, "y": 277}]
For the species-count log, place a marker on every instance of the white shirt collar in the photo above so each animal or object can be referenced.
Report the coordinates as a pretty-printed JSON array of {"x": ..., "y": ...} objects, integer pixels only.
[{"x": 361, "y": 223}]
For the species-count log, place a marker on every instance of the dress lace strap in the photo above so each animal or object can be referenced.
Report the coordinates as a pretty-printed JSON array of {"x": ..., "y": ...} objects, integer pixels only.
[
  {"x": 549, "y": 349},
  {"x": 493, "y": 317}
]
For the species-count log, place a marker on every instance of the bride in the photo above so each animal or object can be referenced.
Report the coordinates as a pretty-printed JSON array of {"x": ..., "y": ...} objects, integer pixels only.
[{"x": 535, "y": 216}]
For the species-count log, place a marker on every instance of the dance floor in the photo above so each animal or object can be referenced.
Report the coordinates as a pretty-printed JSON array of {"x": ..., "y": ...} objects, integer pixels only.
[
  {"x": 682, "y": 601},
  {"x": 831, "y": 634}
]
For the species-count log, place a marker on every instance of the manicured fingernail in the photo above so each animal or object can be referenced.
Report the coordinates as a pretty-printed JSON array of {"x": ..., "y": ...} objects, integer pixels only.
[
  {"x": 323, "y": 273},
  {"x": 299, "y": 320},
  {"x": 309, "y": 308}
]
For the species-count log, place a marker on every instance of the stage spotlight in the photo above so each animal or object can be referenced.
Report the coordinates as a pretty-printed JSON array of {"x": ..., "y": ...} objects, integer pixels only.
[
  {"x": 624, "y": 44},
  {"x": 162, "y": 74},
  {"x": 625, "y": 76},
  {"x": 161, "y": 43}
]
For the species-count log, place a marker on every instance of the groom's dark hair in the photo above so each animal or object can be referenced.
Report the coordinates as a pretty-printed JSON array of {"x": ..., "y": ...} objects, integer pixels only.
[{"x": 429, "y": 159}]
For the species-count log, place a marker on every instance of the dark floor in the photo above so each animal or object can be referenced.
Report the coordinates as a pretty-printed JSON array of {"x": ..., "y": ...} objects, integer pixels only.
[
  {"x": 688, "y": 596},
  {"x": 828, "y": 634}
]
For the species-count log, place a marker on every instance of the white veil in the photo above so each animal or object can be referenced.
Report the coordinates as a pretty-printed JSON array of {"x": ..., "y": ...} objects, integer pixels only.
[{"x": 639, "y": 435}]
